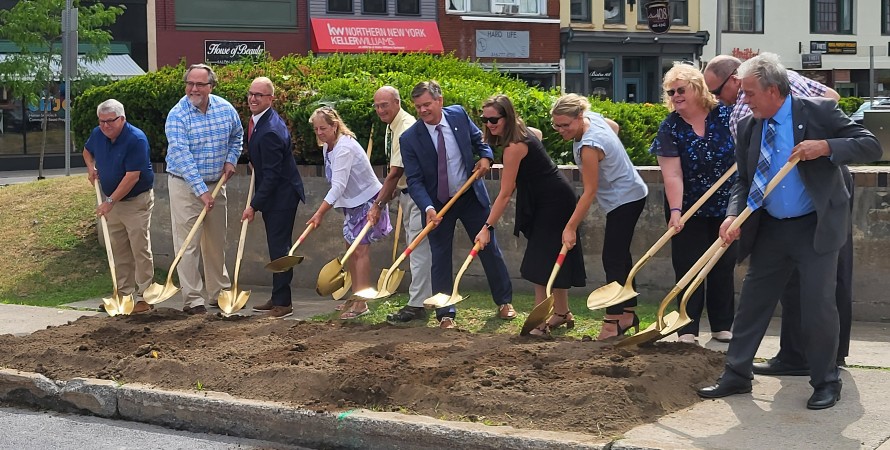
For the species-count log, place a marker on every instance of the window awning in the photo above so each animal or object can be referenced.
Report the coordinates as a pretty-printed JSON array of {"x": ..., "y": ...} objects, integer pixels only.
[
  {"x": 360, "y": 36},
  {"x": 117, "y": 67}
]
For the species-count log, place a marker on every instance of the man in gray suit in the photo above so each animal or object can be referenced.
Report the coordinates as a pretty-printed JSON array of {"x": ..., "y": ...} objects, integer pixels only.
[{"x": 801, "y": 225}]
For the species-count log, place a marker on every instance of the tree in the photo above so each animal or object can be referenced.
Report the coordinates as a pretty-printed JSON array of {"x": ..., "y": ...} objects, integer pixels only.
[{"x": 35, "y": 26}]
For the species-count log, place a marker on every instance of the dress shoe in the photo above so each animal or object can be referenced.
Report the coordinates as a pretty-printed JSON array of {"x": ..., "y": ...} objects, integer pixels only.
[
  {"x": 213, "y": 304},
  {"x": 776, "y": 367},
  {"x": 725, "y": 389},
  {"x": 446, "y": 323},
  {"x": 407, "y": 314},
  {"x": 265, "y": 307},
  {"x": 825, "y": 396},
  {"x": 142, "y": 307},
  {"x": 192, "y": 310},
  {"x": 280, "y": 312},
  {"x": 688, "y": 339},
  {"x": 722, "y": 336},
  {"x": 841, "y": 362},
  {"x": 506, "y": 312}
]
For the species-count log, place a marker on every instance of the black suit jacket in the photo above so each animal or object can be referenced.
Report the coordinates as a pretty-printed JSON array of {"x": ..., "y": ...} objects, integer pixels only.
[
  {"x": 278, "y": 182},
  {"x": 812, "y": 118}
]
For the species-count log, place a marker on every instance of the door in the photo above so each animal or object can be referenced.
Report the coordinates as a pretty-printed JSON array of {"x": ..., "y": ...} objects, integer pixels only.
[{"x": 631, "y": 90}]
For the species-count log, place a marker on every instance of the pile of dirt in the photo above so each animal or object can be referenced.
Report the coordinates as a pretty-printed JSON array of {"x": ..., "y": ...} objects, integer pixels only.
[{"x": 561, "y": 384}]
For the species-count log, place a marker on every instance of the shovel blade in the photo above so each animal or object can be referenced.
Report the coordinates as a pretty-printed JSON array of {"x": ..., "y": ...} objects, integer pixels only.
[
  {"x": 226, "y": 301},
  {"x": 672, "y": 328},
  {"x": 347, "y": 284},
  {"x": 537, "y": 316},
  {"x": 154, "y": 297},
  {"x": 440, "y": 301},
  {"x": 240, "y": 301},
  {"x": 330, "y": 278},
  {"x": 117, "y": 305},
  {"x": 394, "y": 281},
  {"x": 650, "y": 334},
  {"x": 283, "y": 264},
  {"x": 111, "y": 306},
  {"x": 608, "y": 295}
]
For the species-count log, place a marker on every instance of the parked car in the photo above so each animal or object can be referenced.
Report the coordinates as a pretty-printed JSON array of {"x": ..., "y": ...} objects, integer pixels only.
[{"x": 879, "y": 103}]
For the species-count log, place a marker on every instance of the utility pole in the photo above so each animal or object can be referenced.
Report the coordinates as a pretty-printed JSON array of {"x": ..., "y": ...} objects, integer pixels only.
[{"x": 69, "y": 69}]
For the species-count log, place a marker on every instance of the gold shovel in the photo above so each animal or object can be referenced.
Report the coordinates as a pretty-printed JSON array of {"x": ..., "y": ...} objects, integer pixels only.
[
  {"x": 684, "y": 318},
  {"x": 653, "y": 332},
  {"x": 542, "y": 311},
  {"x": 233, "y": 300},
  {"x": 396, "y": 278},
  {"x": 290, "y": 260},
  {"x": 614, "y": 293},
  {"x": 389, "y": 287},
  {"x": 117, "y": 304},
  {"x": 332, "y": 275},
  {"x": 154, "y": 295},
  {"x": 443, "y": 300}
]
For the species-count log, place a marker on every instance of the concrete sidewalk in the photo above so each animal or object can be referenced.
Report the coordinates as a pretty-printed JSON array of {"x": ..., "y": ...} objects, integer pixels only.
[
  {"x": 772, "y": 416},
  {"x": 25, "y": 176}
]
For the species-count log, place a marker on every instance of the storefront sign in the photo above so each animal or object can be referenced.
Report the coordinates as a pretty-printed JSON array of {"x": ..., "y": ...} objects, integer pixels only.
[
  {"x": 227, "y": 52},
  {"x": 359, "y": 36},
  {"x": 811, "y": 61},
  {"x": 833, "y": 47},
  {"x": 659, "y": 17},
  {"x": 745, "y": 53},
  {"x": 600, "y": 72},
  {"x": 501, "y": 44}
]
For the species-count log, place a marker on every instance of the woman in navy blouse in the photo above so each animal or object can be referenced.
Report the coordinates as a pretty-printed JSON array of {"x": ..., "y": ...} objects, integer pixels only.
[{"x": 694, "y": 148}]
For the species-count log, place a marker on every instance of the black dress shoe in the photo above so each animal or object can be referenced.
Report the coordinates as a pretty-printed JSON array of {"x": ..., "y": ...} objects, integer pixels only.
[
  {"x": 407, "y": 314},
  {"x": 825, "y": 396},
  {"x": 776, "y": 367},
  {"x": 841, "y": 362},
  {"x": 725, "y": 389}
]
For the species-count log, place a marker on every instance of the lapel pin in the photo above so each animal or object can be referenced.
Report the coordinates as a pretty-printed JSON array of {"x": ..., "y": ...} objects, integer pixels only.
[{"x": 800, "y": 126}]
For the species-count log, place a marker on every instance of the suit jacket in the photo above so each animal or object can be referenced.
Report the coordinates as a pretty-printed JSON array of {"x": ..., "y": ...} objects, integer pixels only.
[
  {"x": 812, "y": 118},
  {"x": 278, "y": 183},
  {"x": 421, "y": 159}
]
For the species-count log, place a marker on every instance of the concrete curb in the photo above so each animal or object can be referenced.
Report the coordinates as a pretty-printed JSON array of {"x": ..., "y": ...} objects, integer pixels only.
[{"x": 220, "y": 413}]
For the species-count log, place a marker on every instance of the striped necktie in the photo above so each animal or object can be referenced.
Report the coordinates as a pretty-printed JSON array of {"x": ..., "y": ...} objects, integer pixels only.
[{"x": 761, "y": 174}]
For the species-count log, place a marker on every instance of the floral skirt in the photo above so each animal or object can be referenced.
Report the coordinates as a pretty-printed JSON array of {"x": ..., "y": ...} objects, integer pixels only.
[{"x": 356, "y": 218}]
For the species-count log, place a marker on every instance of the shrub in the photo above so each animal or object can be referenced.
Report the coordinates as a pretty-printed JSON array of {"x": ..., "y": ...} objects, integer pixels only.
[{"x": 850, "y": 104}]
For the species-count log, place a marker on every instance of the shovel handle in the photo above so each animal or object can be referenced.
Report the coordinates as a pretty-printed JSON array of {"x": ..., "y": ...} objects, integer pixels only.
[
  {"x": 355, "y": 243},
  {"x": 241, "y": 239},
  {"x": 370, "y": 141},
  {"x": 104, "y": 224},
  {"x": 559, "y": 260},
  {"x": 463, "y": 268},
  {"x": 188, "y": 239},
  {"x": 700, "y": 278},
  {"x": 301, "y": 238},
  {"x": 395, "y": 240}
]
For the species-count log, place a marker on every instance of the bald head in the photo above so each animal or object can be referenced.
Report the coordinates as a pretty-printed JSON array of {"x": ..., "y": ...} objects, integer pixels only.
[{"x": 387, "y": 103}]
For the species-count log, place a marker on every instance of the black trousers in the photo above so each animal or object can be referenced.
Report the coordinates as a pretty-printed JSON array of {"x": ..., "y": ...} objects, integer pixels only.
[
  {"x": 617, "y": 260},
  {"x": 279, "y": 226}
]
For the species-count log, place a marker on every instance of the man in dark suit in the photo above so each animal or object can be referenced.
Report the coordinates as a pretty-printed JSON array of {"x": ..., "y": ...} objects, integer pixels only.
[
  {"x": 801, "y": 225},
  {"x": 279, "y": 188},
  {"x": 438, "y": 154}
]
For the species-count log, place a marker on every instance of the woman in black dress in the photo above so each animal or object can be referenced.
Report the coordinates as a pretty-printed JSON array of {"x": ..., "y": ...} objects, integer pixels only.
[{"x": 544, "y": 203}]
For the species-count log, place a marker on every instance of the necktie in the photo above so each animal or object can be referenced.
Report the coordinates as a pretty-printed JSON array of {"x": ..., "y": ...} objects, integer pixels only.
[
  {"x": 442, "y": 192},
  {"x": 249, "y": 128},
  {"x": 761, "y": 174},
  {"x": 387, "y": 146}
]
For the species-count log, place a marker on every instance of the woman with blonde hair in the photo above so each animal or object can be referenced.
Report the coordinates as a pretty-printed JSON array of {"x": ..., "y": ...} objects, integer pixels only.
[
  {"x": 610, "y": 177},
  {"x": 354, "y": 188},
  {"x": 545, "y": 200},
  {"x": 694, "y": 147}
]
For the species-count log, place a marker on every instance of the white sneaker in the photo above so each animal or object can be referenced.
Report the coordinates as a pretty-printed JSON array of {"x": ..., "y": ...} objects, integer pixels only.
[
  {"x": 688, "y": 339},
  {"x": 722, "y": 336}
]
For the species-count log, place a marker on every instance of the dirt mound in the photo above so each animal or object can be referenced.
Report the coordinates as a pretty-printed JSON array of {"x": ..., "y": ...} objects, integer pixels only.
[{"x": 562, "y": 384}]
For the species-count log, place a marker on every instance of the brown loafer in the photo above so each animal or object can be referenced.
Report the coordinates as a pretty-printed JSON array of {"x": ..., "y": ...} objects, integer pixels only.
[
  {"x": 142, "y": 307},
  {"x": 447, "y": 323},
  {"x": 506, "y": 312}
]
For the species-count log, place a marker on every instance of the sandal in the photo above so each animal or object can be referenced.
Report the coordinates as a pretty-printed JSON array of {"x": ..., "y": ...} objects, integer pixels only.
[
  {"x": 340, "y": 306},
  {"x": 542, "y": 330},
  {"x": 349, "y": 315},
  {"x": 567, "y": 319},
  {"x": 617, "y": 334}
]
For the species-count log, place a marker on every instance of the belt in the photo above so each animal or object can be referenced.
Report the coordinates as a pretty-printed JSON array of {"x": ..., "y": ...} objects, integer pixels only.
[
  {"x": 183, "y": 179},
  {"x": 791, "y": 219},
  {"x": 404, "y": 191}
]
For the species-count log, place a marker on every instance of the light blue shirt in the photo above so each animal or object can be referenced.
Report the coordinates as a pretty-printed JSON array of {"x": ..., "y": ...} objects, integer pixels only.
[
  {"x": 199, "y": 144},
  {"x": 619, "y": 181},
  {"x": 789, "y": 198},
  {"x": 457, "y": 173}
]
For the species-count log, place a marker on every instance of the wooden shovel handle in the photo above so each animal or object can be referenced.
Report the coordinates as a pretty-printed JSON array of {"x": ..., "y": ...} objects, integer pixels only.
[
  {"x": 241, "y": 239},
  {"x": 301, "y": 238},
  {"x": 104, "y": 224},
  {"x": 463, "y": 268},
  {"x": 355, "y": 243},
  {"x": 395, "y": 240},
  {"x": 188, "y": 239},
  {"x": 370, "y": 141},
  {"x": 559, "y": 260}
]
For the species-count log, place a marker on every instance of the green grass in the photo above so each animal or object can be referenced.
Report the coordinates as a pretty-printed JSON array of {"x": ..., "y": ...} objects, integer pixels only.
[{"x": 477, "y": 313}]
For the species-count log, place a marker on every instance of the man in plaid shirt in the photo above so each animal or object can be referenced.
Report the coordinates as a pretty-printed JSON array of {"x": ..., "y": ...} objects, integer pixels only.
[{"x": 204, "y": 141}]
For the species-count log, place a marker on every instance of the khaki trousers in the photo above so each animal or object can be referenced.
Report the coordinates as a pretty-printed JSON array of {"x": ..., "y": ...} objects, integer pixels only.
[
  {"x": 420, "y": 259},
  {"x": 208, "y": 246},
  {"x": 129, "y": 222}
]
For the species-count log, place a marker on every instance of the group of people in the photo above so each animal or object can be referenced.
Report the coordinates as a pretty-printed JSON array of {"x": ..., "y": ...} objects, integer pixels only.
[{"x": 798, "y": 230}]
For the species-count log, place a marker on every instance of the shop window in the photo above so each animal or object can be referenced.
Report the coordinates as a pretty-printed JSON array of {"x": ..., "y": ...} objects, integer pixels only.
[
  {"x": 374, "y": 6},
  {"x": 885, "y": 16},
  {"x": 408, "y": 7},
  {"x": 580, "y": 10},
  {"x": 614, "y": 11},
  {"x": 507, "y": 7},
  {"x": 742, "y": 16},
  {"x": 237, "y": 14},
  {"x": 679, "y": 10},
  {"x": 831, "y": 16},
  {"x": 339, "y": 6},
  {"x": 601, "y": 75}
]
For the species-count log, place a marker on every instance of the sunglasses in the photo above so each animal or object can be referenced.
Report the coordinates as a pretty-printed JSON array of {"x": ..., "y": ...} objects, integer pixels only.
[
  {"x": 491, "y": 120},
  {"x": 719, "y": 89},
  {"x": 679, "y": 90}
]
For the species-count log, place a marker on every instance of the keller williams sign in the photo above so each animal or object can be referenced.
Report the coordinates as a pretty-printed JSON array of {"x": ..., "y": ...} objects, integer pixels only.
[
  {"x": 227, "y": 52},
  {"x": 360, "y": 36}
]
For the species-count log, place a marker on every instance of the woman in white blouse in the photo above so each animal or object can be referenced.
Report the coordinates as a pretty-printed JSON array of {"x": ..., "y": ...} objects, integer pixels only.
[{"x": 354, "y": 188}]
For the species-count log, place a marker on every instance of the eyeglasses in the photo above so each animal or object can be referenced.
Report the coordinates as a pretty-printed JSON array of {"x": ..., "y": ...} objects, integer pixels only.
[
  {"x": 383, "y": 105},
  {"x": 191, "y": 84},
  {"x": 109, "y": 121},
  {"x": 491, "y": 120},
  {"x": 679, "y": 90},
  {"x": 719, "y": 89},
  {"x": 560, "y": 126},
  {"x": 257, "y": 95}
]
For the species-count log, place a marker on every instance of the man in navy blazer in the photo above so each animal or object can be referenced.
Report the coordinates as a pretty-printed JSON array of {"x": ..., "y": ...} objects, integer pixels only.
[
  {"x": 279, "y": 187},
  {"x": 438, "y": 154},
  {"x": 801, "y": 225}
]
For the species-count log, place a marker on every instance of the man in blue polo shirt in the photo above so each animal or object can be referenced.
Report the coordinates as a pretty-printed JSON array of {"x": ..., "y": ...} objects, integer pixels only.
[{"x": 117, "y": 155}]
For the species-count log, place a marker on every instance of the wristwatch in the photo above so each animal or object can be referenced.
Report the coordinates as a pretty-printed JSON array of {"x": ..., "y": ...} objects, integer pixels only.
[
  {"x": 489, "y": 227},
  {"x": 379, "y": 204},
  {"x": 109, "y": 199}
]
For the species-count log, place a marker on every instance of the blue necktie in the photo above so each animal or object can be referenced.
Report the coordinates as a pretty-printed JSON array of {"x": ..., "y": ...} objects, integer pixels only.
[
  {"x": 442, "y": 192},
  {"x": 761, "y": 174}
]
